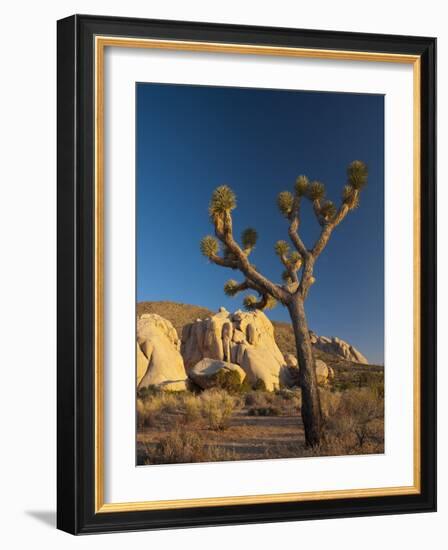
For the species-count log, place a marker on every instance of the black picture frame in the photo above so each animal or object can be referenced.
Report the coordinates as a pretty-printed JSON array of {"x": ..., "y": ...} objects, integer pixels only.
[{"x": 76, "y": 263}]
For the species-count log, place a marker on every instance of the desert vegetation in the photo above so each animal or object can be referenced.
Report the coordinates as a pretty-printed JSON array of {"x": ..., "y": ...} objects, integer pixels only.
[{"x": 240, "y": 423}]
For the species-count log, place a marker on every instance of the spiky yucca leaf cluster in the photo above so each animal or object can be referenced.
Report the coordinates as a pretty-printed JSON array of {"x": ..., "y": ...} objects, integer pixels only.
[
  {"x": 281, "y": 248},
  {"x": 301, "y": 186},
  {"x": 223, "y": 200},
  {"x": 350, "y": 197},
  {"x": 249, "y": 238},
  {"x": 316, "y": 191},
  {"x": 231, "y": 288},
  {"x": 294, "y": 257},
  {"x": 250, "y": 302},
  {"x": 285, "y": 202},
  {"x": 328, "y": 210},
  {"x": 286, "y": 276},
  {"x": 347, "y": 193},
  {"x": 357, "y": 174},
  {"x": 209, "y": 246},
  {"x": 271, "y": 303}
]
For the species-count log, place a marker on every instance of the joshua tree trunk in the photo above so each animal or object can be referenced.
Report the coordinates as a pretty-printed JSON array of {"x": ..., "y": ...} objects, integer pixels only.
[{"x": 311, "y": 411}]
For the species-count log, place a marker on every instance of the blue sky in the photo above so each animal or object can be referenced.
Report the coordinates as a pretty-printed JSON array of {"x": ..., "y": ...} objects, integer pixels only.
[{"x": 190, "y": 139}]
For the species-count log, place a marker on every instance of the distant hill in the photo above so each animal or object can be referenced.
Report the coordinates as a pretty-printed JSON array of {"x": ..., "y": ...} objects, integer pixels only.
[
  {"x": 179, "y": 314},
  {"x": 182, "y": 314}
]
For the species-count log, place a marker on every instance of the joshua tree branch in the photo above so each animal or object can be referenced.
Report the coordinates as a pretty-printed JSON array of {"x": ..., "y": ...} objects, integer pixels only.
[
  {"x": 328, "y": 230},
  {"x": 232, "y": 288},
  {"x": 223, "y": 262},
  {"x": 252, "y": 303},
  {"x": 223, "y": 230},
  {"x": 294, "y": 236},
  {"x": 307, "y": 278},
  {"x": 290, "y": 267},
  {"x": 316, "y": 209}
]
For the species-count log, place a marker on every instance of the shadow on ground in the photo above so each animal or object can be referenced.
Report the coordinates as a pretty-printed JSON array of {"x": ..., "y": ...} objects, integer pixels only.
[{"x": 47, "y": 517}]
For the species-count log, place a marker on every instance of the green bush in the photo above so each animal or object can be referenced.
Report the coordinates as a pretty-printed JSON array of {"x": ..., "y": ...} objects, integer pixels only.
[
  {"x": 245, "y": 386},
  {"x": 228, "y": 380}
]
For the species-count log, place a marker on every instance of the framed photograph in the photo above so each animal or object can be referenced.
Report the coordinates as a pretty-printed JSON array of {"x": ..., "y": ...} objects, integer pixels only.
[{"x": 246, "y": 274}]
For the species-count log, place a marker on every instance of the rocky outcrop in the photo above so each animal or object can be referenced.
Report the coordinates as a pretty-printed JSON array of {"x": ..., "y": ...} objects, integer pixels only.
[
  {"x": 324, "y": 373},
  {"x": 242, "y": 342},
  {"x": 242, "y": 338},
  {"x": 338, "y": 347},
  {"x": 205, "y": 373},
  {"x": 291, "y": 360},
  {"x": 159, "y": 362}
]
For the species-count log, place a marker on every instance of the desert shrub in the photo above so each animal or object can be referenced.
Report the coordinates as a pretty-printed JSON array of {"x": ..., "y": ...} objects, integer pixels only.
[
  {"x": 183, "y": 446},
  {"x": 354, "y": 420},
  {"x": 228, "y": 380},
  {"x": 156, "y": 404},
  {"x": 282, "y": 402},
  {"x": 329, "y": 402},
  {"x": 289, "y": 402},
  {"x": 217, "y": 407},
  {"x": 193, "y": 387},
  {"x": 356, "y": 378},
  {"x": 146, "y": 413},
  {"x": 192, "y": 408},
  {"x": 250, "y": 399},
  {"x": 148, "y": 392},
  {"x": 245, "y": 386},
  {"x": 373, "y": 381},
  {"x": 258, "y": 399},
  {"x": 286, "y": 394},
  {"x": 178, "y": 446},
  {"x": 365, "y": 409},
  {"x": 263, "y": 411},
  {"x": 341, "y": 385},
  {"x": 218, "y": 454},
  {"x": 259, "y": 385},
  {"x": 166, "y": 402}
]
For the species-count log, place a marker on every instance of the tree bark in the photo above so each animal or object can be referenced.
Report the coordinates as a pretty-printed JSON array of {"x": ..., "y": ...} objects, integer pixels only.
[{"x": 311, "y": 410}]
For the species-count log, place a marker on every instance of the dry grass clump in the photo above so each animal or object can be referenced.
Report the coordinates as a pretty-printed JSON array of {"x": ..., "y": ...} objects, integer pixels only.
[
  {"x": 280, "y": 403},
  {"x": 152, "y": 406},
  {"x": 217, "y": 407},
  {"x": 213, "y": 408},
  {"x": 192, "y": 409},
  {"x": 354, "y": 422},
  {"x": 184, "y": 446},
  {"x": 177, "y": 447}
]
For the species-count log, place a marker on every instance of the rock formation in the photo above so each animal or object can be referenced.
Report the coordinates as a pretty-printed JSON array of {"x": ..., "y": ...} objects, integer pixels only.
[
  {"x": 324, "y": 373},
  {"x": 242, "y": 338},
  {"x": 205, "y": 372},
  {"x": 338, "y": 347},
  {"x": 242, "y": 342},
  {"x": 291, "y": 360},
  {"x": 159, "y": 362}
]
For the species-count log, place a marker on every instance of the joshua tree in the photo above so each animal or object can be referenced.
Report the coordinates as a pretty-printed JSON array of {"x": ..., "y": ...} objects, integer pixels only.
[{"x": 298, "y": 267}]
